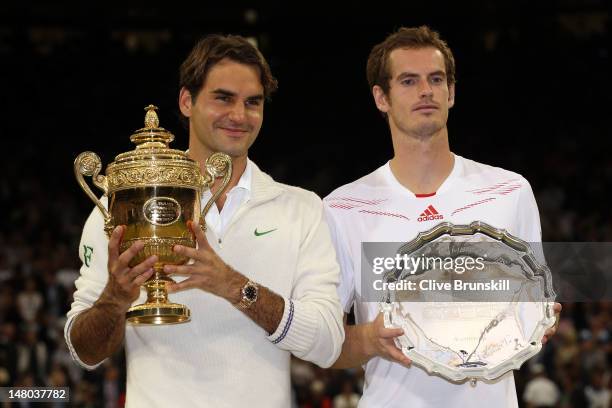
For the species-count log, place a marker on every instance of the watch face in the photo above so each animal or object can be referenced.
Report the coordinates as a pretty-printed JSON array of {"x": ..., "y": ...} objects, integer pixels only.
[{"x": 250, "y": 292}]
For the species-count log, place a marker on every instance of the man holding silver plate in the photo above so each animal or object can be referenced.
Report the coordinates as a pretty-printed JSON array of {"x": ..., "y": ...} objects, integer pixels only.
[
  {"x": 261, "y": 283},
  {"x": 455, "y": 218}
]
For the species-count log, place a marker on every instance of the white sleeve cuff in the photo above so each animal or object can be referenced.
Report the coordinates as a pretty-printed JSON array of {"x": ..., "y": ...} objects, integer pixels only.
[
  {"x": 297, "y": 329},
  {"x": 73, "y": 354}
]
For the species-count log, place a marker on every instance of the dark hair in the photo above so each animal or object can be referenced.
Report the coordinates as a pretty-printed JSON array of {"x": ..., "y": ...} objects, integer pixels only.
[
  {"x": 212, "y": 49},
  {"x": 378, "y": 71}
]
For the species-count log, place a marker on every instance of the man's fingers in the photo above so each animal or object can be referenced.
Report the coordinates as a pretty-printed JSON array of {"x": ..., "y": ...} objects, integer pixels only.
[
  {"x": 401, "y": 358},
  {"x": 142, "y": 267},
  {"x": 396, "y": 354},
  {"x": 188, "y": 252},
  {"x": 548, "y": 334},
  {"x": 384, "y": 332},
  {"x": 199, "y": 236},
  {"x": 114, "y": 241},
  {"x": 557, "y": 308},
  {"x": 387, "y": 336},
  {"x": 179, "y": 269},
  {"x": 389, "y": 333},
  {"x": 176, "y": 286},
  {"x": 142, "y": 278},
  {"x": 128, "y": 254}
]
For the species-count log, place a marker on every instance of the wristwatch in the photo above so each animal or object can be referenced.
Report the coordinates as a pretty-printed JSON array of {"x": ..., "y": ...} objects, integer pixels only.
[{"x": 249, "y": 295}]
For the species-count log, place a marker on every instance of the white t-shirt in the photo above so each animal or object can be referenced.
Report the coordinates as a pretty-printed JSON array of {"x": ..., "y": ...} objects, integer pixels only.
[{"x": 377, "y": 208}]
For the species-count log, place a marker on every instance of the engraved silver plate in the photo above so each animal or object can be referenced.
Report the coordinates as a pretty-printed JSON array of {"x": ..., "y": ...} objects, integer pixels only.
[
  {"x": 470, "y": 334},
  {"x": 161, "y": 210}
]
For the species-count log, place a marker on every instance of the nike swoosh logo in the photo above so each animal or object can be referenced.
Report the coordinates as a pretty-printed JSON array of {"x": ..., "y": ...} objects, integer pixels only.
[{"x": 259, "y": 234}]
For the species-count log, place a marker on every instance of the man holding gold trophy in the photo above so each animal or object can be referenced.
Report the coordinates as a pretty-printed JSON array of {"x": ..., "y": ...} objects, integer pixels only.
[
  {"x": 259, "y": 286},
  {"x": 412, "y": 78}
]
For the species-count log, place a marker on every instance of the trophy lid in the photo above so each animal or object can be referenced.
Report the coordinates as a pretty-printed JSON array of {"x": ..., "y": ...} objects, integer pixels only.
[
  {"x": 152, "y": 162},
  {"x": 151, "y": 135},
  {"x": 151, "y": 140}
]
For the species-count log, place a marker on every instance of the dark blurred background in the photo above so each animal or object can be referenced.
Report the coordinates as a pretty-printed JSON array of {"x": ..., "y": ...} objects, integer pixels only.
[{"x": 533, "y": 96}]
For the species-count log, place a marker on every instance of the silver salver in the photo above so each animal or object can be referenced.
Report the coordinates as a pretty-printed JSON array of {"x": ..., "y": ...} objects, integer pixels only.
[{"x": 475, "y": 333}]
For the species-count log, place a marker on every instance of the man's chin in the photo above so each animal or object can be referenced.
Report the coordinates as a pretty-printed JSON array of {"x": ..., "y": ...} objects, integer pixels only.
[
  {"x": 428, "y": 129},
  {"x": 233, "y": 148},
  {"x": 233, "y": 152}
]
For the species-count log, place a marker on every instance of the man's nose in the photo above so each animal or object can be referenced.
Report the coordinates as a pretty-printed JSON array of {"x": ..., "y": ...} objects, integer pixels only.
[
  {"x": 425, "y": 89},
  {"x": 238, "y": 113}
]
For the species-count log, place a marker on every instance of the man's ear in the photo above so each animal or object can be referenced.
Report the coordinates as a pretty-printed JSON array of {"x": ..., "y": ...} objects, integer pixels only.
[
  {"x": 381, "y": 100},
  {"x": 451, "y": 96},
  {"x": 185, "y": 102}
]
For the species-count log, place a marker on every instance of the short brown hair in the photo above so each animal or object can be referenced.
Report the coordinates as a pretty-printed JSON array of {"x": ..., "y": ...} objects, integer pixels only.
[
  {"x": 378, "y": 70},
  {"x": 212, "y": 49}
]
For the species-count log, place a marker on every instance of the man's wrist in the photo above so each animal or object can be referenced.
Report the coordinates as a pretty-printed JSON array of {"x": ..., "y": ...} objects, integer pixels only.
[
  {"x": 111, "y": 304},
  {"x": 368, "y": 346},
  {"x": 236, "y": 282}
]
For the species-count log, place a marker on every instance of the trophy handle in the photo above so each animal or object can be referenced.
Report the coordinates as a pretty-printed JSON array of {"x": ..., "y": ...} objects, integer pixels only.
[
  {"x": 217, "y": 165},
  {"x": 89, "y": 164}
]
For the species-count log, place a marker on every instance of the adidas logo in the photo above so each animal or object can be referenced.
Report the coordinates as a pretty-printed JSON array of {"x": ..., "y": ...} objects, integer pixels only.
[{"x": 430, "y": 214}]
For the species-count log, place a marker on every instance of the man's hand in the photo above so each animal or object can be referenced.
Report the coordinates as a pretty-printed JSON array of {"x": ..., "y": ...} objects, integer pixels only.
[
  {"x": 380, "y": 342},
  {"x": 97, "y": 333},
  {"x": 550, "y": 332},
  {"x": 208, "y": 272},
  {"x": 124, "y": 283}
]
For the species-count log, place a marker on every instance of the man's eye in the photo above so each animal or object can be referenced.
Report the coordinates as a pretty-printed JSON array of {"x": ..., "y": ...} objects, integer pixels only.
[
  {"x": 223, "y": 98},
  {"x": 408, "y": 81},
  {"x": 253, "y": 102},
  {"x": 437, "y": 80}
]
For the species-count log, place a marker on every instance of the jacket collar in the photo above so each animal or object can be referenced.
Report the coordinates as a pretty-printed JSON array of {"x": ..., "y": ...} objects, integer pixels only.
[{"x": 263, "y": 187}]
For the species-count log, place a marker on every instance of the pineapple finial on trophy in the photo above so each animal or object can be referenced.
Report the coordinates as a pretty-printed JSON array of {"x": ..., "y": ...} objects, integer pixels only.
[
  {"x": 152, "y": 135},
  {"x": 151, "y": 119}
]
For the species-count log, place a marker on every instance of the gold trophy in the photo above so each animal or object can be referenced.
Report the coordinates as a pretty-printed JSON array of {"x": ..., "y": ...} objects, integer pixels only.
[{"x": 156, "y": 192}]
